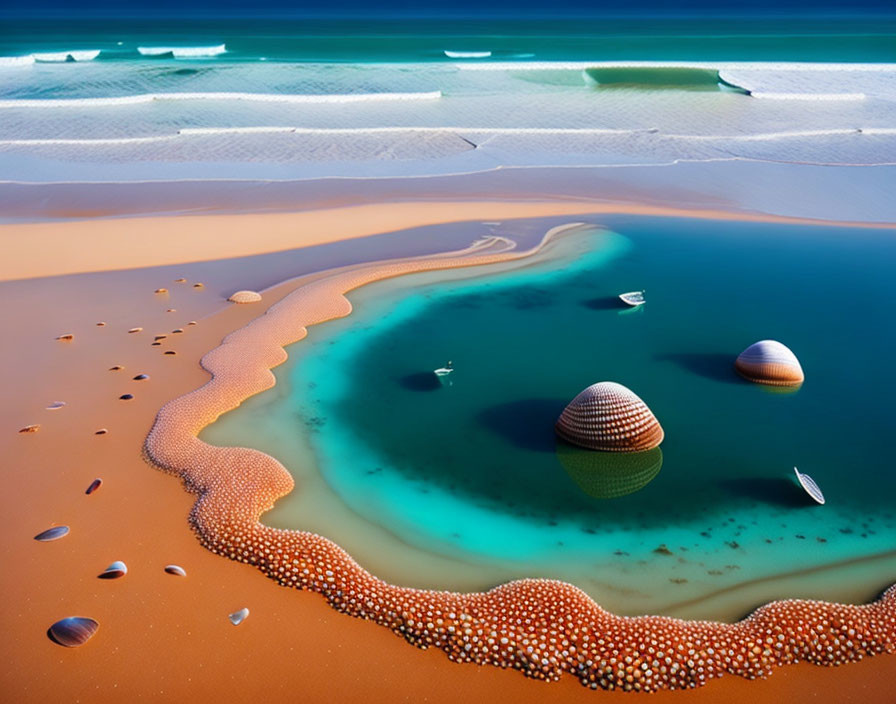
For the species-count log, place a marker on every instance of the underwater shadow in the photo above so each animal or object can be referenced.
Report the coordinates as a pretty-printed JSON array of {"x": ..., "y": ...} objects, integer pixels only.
[
  {"x": 604, "y": 303},
  {"x": 710, "y": 365},
  {"x": 777, "y": 491},
  {"x": 420, "y": 381},
  {"x": 528, "y": 423}
]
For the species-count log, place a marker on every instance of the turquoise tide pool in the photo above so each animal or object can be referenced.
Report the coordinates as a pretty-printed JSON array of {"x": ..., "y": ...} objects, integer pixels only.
[{"x": 464, "y": 485}]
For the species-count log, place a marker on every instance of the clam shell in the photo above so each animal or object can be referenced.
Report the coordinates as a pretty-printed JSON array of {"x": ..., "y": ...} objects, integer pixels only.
[
  {"x": 101, "y": 324},
  {"x": 126, "y": 397},
  {"x": 114, "y": 571},
  {"x": 33, "y": 428},
  {"x": 808, "y": 483},
  {"x": 132, "y": 330},
  {"x": 609, "y": 475},
  {"x": 176, "y": 570},
  {"x": 237, "y": 617},
  {"x": 198, "y": 285},
  {"x": 56, "y": 405},
  {"x": 245, "y": 297},
  {"x": 181, "y": 280},
  {"x": 177, "y": 331},
  {"x": 116, "y": 368},
  {"x": 141, "y": 377},
  {"x": 161, "y": 290},
  {"x": 94, "y": 485},
  {"x": 73, "y": 631},
  {"x": 66, "y": 337},
  {"x": 769, "y": 362},
  {"x": 170, "y": 352},
  {"x": 54, "y": 533},
  {"x": 101, "y": 431},
  {"x": 609, "y": 417}
]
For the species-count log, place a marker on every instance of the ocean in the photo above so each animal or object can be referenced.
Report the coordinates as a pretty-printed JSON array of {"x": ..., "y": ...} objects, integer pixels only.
[{"x": 112, "y": 101}]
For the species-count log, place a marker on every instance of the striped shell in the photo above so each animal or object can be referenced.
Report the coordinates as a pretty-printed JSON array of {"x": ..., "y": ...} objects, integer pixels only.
[
  {"x": 245, "y": 297},
  {"x": 73, "y": 631},
  {"x": 609, "y": 417},
  {"x": 769, "y": 362}
]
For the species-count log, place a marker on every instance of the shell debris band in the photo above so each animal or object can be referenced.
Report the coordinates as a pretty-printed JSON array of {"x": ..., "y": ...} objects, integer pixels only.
[
  {"x": 245, "y": 297},
  {"x": 609, "y": 417},
  {"x": 543, "y": 628},
  {"x": 770, "y": 362}
]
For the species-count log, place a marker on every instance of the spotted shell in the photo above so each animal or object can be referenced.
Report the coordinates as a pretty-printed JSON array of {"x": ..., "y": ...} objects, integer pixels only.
[
  {"x": 769, "y": 362},
  {"x": 609, "y": 417},
  {"x": 73, "y": 631},
  {"x": 245, "y": 297}
]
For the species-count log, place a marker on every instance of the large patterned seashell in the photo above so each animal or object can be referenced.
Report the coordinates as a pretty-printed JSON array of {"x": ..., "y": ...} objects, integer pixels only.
[
  {"x": 245, "y": 297},
  {"x": 54, "y": 533},
  {"x": 609, "y": 417},
  {"x": 73, "y": 631},
  {"x": 770, "y": 362}
]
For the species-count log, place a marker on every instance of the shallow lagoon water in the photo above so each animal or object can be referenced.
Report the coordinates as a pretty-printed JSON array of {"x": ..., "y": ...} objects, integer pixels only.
[{"x": 462, "y": 486}]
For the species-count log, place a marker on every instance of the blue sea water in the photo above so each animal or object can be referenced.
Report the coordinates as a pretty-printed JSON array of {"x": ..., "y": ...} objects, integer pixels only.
[{"x": 472, "y": 474}]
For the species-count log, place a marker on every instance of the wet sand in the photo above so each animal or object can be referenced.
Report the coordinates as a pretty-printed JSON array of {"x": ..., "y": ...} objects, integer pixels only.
[{"x": 163, "y": 635}]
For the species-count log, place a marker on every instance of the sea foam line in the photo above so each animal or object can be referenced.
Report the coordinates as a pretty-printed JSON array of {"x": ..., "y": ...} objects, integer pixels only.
[
  {"x": 183, "y": 52},
  {"x": 710, "y": 65},
  {"x": 334, "y": 98}
]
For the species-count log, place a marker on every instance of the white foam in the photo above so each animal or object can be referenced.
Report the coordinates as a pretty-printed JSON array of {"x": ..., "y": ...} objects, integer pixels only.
[
  {"x": 62, "y": 56},
  {"x": 808, "y": 96},
  {"x": 183, "y": 52},
  {"x": 13, "y": 61},
  {"x": 251, "y": 97},
  {"x": 467, "y": 54}
]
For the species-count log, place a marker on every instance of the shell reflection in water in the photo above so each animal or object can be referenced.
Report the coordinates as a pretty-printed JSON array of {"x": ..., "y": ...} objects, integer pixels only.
[
  {"x": 609, "y": 475},
  {"x": 610, "y": 417},
  {"x": 73, "y": 631},
  {"x": 769, "y": 362}
]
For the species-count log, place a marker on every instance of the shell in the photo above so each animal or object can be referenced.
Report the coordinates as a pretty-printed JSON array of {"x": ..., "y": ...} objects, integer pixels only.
[
  {"x": 101, "y": 431},
  {"x": 177, "y": 331},
  {"x": 176, "y": 570},
  {"x": 769, "y": 362},
  {"x": 198, "y": 285},
  {"x": 609, "y": 475},
  {"x": 609, "y": 417},
  {"x": 101, "y": 324},
  {"x": 94, "y": 485},
  {"x": 237, "y": 617},
  {"x": 66, "y": 337},
  {"x": 170, "y": 352},
  {"x": 161, "y": 290},
  {"x": 126, "y": 397},
  {"x": 181, "y": 280},
  {"x": 33, "y": 428},
  {"x": 159, "y": 337},
  {"x": 73, "y": 631},
  {"x": 192, "y": 322},
  {"x": 114, "y": 571},
  {"x": 132, "y": 330},
  {"x": 54, "y": 533},
  {"x": 116, "y": 368},
  {"x": 56, "y": 405},
  {"x": 808, "y": 483},
  {"x": 171, "y": 310},
  {"x": 245, "y": 297},
  {"x": 141, "y": 377}
]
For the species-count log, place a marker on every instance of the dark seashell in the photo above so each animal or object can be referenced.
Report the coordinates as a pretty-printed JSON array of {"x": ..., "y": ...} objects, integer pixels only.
[
  {"x": 177, "y": 331},
  {"x": 170, "y": 352},
  {"x": 156, "y": 344},
  {"x": 116, "y": 368},
  {"x": 180, "y": 281},
  {"x": 159, "y": 337},
  {"x": 33, "y": 428},
  {"x": 192, "y": 322},
  {"x": 126, "y": 397},
  {"x": 198, "y": 285},
  {"x": 67, "y": 337},
  {"x": 133, "y": 330},
  {"x": 54, "y": 533},
  {"x": 114, "y": 571},
  {"x": 94, "y": 485},
  {"x": 171, "y": 310},
  {"x": 237, "y": 617},
  {"x": 100, "y": 324},
  {"x": 73, "y": 631},
  {"x": 161, "y": 290},
  {"x": 141, "y": 377},
  {"x": 101, "y": 431},
  {"x": 176, "y": 570}
]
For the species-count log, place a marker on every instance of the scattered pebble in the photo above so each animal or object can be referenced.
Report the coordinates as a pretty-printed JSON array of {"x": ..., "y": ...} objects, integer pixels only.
[
  {"x": 126, "y": 397},
  {"x": 132, "y": 330},
  {"x": 171, "y": 310},
  {"x": 170, "y": 352},
  {"x": 180, "y": 281},
  {"x": 192, "y": 322},
  {"x": 198, "y": 285}
]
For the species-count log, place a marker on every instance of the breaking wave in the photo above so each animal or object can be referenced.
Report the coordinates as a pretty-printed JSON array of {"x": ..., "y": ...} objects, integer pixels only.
[{"x": 182, "y": 52}]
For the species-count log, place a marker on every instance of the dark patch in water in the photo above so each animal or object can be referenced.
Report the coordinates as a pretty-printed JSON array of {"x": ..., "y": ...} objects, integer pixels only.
[
  {"x": 420, "y": 381},
  {"x": 185, "y": 72},
  {"x": 528, "y": 424},
  {"x": 777, "y": 491},
  {"x": 710, "y": 365},
  {"x": 604, "y": 303}
]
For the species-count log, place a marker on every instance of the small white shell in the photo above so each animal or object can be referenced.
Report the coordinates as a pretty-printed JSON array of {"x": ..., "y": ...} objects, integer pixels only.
[
  {"x": 237, "y": 617},
  {"x": 245, "y": 297},
  {"x": 114, "y": 571}
]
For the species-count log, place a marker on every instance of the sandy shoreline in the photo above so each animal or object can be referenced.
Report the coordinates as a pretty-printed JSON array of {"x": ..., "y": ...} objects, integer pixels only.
[{"x": 332, "y": 655}]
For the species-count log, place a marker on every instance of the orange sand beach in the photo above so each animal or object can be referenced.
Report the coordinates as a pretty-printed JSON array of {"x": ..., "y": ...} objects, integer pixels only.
[{"x": 293, "y": 641}]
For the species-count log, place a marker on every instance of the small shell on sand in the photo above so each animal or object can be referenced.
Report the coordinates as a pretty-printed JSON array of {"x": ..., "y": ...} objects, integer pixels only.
[
  {"x": 159, "y": 337},
  {"x": 73, "y": 631},
  {"x": 67, "y": 337},
  {"x": 198, "y": 285},
  {"x": 126, "y": 397},
  {"x": 176, "y": 570},
  {"x": 177, "y": 331},
  {"x": 170, "y": 352},
  {"x": 132, "y": 330},
  {"x": 245, "y": 297},
  {"x": 54, "y": 533},
  {"x": 237, "y": 617},
  {"x": 116, "y": 368},
  {"x": 180, "y": 281},
  {"x": 156, "y": 344},
  {"x": 33, "y": 428},
  {"x": 101, "y": 324},
  {"x": 192, "y": 322},
  {"x": 101, "y": 431},
  {"x": 161, "y": 290},
  {"x": 114, "y": 571},
  {"x": 141, "y": 377},
  {"x": 94, "y": 485},
  {"x": 171, "y": 310},
  {"x": 56, "y": 405}
]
